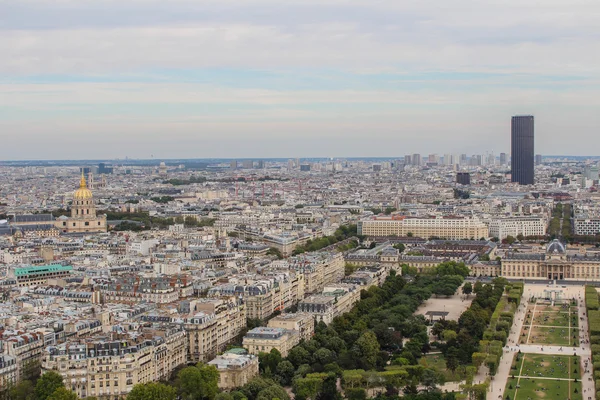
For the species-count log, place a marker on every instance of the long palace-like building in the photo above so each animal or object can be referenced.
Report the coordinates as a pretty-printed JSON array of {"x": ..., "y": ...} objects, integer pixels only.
[{"x": 555, "y": 263}]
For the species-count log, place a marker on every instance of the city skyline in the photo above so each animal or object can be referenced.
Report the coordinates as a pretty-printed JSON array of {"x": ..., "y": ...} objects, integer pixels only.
[{"x": 351, "y": 78}]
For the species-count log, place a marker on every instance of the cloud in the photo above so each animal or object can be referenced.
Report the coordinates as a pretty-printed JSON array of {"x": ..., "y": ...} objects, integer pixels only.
[{"x": 272, "y": 68}]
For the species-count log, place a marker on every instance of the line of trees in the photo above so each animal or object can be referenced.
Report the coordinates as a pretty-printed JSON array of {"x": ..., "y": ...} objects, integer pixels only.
[{"x": 342, "y": 233}]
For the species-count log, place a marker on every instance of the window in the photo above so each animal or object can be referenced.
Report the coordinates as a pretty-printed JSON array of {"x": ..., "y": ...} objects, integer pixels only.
[
  {"x": 87, "y": 223},
  {"x": 73, "y": 223}
]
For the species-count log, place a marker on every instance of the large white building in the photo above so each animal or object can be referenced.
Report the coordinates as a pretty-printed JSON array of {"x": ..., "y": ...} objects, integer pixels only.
[
  {"x": 514, "y": 226},
  {"x": 446, "y": 227},
  {"x": 586, "y": 226}
]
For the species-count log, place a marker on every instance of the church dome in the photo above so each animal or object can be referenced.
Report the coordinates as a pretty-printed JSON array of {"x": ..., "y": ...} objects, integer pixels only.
[
  {"x": 555, "y": 247},
  {"x": 83, "y": 193}
]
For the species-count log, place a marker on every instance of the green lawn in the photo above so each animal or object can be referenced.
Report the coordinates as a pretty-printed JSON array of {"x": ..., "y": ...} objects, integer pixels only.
[
  {"x": 542, "y": 389},
  {"x": 550, "y": 366},
  {"x": 534, "y": 368},
  {"x": 553, "y": 336},
  {"x": 555, "y": 319}
]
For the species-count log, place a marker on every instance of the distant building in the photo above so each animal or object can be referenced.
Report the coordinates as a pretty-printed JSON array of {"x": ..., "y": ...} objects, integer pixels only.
[
  {"x": 514, "y": 226},
  {"x": 305, "y": 167},
  {"x": 448, "y": 227},
  {"x": 538, "y": 159},
  {"x": 39, "y": 275},
  {"x": 260, "y": 164},
  {"x": 233, "y": 165},
  {"x": 416, "y": 159},
  {"x": 247, "y": 164},
  {"x": 83, "y": 213},
  {"x": 376, "y": 167},
  {"x": 522, "y": 149},
  {"x": 105, "y": 168},
  {"x": 503, "y": 159},
  {"x": 586, "y": 226},
  {"x": 463, "y": 178},
  {"x": 408, "y": 159},
  {"x": 162, "y": 169},
  {"x": 554, "y": 263}
]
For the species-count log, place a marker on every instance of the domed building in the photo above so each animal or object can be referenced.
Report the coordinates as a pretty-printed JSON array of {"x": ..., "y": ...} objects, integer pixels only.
[
  {"x": 83, "y": 213},
  {"x": 553, "y": 263}
]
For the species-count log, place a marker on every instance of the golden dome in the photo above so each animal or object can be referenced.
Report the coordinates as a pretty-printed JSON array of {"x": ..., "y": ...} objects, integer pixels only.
[{"x": 83, "y": 193}]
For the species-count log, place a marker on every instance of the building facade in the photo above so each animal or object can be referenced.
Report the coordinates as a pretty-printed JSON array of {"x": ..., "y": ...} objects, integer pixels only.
[
  {"x": 514, "y": 226},
  {"x": 554, "y": 263},
  {"x": 108, "y": 369},
  {"x": 446, "y": 227},
  {"x": 522, "y": 149},
  {"x": 83, "y": 213}
]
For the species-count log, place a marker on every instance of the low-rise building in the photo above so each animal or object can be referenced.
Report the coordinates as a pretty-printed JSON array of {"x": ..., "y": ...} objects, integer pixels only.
[{"x": 235, "y": 368}]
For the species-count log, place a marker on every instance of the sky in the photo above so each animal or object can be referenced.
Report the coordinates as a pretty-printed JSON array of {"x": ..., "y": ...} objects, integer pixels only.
[{"x": 90, "y": 79}]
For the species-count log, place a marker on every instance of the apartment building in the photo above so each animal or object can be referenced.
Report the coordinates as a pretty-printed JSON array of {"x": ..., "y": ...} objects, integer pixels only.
[
  {"x": 8, "y": 372},
  {"x": 319, "y": 269},
  {"x": 108, "y": 368},
  {"x": 303, "y": 323},
  {"x": 211, "y": 325},
  {"x": 446, "y": 227},
  {"x": 514, "y": 226},
  {"x": 334, "y": 301},
  {"x": 235, "y": 368},
  {"x": 135, "y": 289},
  {"x": 264, "y": 339}
]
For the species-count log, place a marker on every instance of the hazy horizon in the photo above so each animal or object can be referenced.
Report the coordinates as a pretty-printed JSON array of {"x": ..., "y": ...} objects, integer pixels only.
[{"x": 93, "y": 79}]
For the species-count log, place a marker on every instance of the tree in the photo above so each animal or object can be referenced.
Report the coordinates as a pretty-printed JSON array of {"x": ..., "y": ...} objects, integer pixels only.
[
  {"x": 356, "y": 394},
  {"x": 298, "y": 356},
  {"x": 269, "y": 360},
  {"x": 152, "y": 391},
  {"x": 273, "y": 392},
  {"x": 24, "y": 390},
  {"x": 329, "y": 389},
  {"x": 467, "y": 288},
  {"x": 199, "y": 382},
  {"x": 224, "y": 396},
  {"x": 47, "y": 384},
  {"x": 449, "y": 335},
  {"x": 63, "y": 394},
  {"x": 508, "y": 240},
  {"x": 366, "y": 350},
  {"x": 285, "y": 371},
  {"x": 400, "y": 247},
  {"x": 452, "y": 361},
  {"x": 255, "y": 386}
]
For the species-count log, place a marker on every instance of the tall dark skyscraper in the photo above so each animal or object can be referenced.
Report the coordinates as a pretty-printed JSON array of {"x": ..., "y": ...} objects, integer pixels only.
[{"x": 522, "y": 158}]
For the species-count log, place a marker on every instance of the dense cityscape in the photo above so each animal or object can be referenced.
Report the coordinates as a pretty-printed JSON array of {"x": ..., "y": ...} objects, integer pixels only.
[{"x": 432, "y": 276}]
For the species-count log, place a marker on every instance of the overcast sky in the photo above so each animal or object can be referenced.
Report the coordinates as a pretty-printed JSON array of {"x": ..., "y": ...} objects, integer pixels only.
[{"x": 295, "y": 78}]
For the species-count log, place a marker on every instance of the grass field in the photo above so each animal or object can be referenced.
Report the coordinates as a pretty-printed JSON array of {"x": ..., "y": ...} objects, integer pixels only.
[
  {"x": 544, "y": 377},
  {"x": 550, "y": 325},
  {"x": 555, "y": 318}
]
